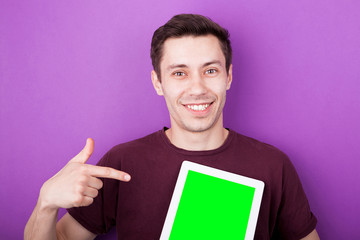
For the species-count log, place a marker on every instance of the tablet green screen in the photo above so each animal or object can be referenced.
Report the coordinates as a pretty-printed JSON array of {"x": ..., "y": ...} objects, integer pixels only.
[{"x": 212, "y": 208}]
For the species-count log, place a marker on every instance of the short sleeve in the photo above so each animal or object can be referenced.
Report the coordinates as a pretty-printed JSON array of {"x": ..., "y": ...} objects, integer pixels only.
[
  {"x": 99, "y": 217},
  {"x": 294, "y": 220}
]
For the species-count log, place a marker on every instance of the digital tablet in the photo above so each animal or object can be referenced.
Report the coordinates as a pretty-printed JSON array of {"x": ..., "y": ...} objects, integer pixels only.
[{"x": 209, "y": 203}]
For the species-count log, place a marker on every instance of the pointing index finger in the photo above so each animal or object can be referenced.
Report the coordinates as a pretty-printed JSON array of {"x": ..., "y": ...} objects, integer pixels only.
[{"x": 107, "y": 172}]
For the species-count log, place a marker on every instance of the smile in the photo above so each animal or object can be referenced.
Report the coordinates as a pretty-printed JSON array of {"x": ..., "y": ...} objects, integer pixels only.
[{"x": 200, "y": 107}]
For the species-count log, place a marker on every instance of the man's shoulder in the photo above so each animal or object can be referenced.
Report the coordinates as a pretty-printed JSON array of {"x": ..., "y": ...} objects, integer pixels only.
[
  {"x": 253, "y": 143},
  {"x": 145, "y": 142},
  {"x": 132, "y": 150},
  {"x": 265, "y": 161},
  {"x": 252, "y": 146}
]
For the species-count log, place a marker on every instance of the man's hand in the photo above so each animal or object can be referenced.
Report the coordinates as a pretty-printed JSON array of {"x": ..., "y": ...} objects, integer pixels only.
[{"x": 77, "y": 184}]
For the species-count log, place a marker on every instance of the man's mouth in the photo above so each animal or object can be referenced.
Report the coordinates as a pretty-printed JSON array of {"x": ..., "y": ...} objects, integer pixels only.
[{"x": 198, "y": 107}]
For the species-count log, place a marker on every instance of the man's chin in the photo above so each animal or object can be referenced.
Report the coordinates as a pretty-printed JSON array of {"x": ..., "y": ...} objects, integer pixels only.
[
  {"x": 198, "y": 128},
  {"x": 199, "y": 125}
]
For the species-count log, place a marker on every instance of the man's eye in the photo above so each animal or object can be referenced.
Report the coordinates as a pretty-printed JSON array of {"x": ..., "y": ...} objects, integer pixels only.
[
  {"x": 210, "y": 71},
  {"x": 179, "y": 74}
]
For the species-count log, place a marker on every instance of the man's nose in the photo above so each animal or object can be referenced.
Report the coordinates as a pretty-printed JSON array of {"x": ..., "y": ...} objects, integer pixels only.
[{"x": 197, "y": 85}]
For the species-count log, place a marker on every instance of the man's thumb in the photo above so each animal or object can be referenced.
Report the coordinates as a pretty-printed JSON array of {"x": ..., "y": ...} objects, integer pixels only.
[{"x": 85, "y": 153}]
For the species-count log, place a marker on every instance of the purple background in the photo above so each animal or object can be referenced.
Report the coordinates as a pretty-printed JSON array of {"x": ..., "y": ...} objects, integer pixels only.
[{"x": 74, "y": 69}]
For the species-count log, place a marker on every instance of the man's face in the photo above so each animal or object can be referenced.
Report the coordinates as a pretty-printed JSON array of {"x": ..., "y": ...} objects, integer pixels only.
[{"x": 193, "y": 82}]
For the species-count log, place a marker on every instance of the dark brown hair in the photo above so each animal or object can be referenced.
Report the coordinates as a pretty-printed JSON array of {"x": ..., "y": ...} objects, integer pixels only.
[{"x": 188, "y": 25}]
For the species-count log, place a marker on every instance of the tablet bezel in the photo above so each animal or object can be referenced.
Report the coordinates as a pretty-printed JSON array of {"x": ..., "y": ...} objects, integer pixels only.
[{"x": 185, "y": 167}]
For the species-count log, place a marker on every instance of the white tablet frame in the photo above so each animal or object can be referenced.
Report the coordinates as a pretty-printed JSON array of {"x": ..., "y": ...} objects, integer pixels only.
[{"x": 185, "y": 167}]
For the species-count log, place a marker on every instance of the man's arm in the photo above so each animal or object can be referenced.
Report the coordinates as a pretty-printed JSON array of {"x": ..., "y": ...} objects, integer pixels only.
[
  {"x": 73, "y": 186},
  {"x": 42, "y": 225},
  {"x": 312, "y": 236},
  {"x": 69, "y": 228}
]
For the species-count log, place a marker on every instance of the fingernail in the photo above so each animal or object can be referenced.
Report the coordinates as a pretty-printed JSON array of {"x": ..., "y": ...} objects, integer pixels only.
[{"x": 127, "y": 177}]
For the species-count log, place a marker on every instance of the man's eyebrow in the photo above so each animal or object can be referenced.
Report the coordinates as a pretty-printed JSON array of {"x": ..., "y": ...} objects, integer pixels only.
[
  {"x": 173, "y": 66},
  {"x": 212, "y": 62}
]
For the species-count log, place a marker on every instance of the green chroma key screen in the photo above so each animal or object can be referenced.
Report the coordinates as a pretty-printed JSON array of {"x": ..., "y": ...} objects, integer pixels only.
[{"x": 212, "y": 208}]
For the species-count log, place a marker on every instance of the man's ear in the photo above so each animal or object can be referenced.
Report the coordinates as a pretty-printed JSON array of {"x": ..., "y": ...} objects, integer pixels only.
[
  {"x": 229, "y": 79},
  {"x": 156, "y": 83}
]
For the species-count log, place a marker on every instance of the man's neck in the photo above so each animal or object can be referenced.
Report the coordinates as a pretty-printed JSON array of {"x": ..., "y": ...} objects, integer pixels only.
[{"x": 197, "y": 141}]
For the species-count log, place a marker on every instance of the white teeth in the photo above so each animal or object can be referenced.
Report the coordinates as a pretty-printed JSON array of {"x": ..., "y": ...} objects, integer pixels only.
[{"x": 198, "y": 107}]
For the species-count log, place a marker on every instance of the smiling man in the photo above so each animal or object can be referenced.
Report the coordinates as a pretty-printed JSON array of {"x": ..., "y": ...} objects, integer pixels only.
[
  {"x": 191, "y": 56},
  {"x": 195, "y": 80}
]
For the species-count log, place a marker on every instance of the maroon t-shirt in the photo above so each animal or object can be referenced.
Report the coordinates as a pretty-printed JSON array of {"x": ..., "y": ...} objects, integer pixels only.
[{"x": 138, "y": 208}]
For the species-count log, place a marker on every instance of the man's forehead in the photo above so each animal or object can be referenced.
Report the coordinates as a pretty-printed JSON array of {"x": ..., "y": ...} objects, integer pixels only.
[{"x": 192, "y": 50}]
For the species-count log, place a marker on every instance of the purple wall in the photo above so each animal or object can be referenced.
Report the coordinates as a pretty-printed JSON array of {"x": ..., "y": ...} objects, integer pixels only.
[{"x": 74, "y": 69}]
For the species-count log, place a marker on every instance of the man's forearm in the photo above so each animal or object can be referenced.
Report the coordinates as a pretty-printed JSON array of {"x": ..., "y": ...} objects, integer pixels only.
[{"x": 42, "y": 223}]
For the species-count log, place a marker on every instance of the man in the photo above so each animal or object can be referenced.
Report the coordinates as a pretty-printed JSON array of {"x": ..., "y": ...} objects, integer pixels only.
[{"x": 191, "y": 56}]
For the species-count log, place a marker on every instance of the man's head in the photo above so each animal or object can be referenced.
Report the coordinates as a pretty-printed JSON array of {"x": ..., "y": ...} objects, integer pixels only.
[
  {"x": 188, "y": 25},
  {"x": 193, "y": 60}
]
